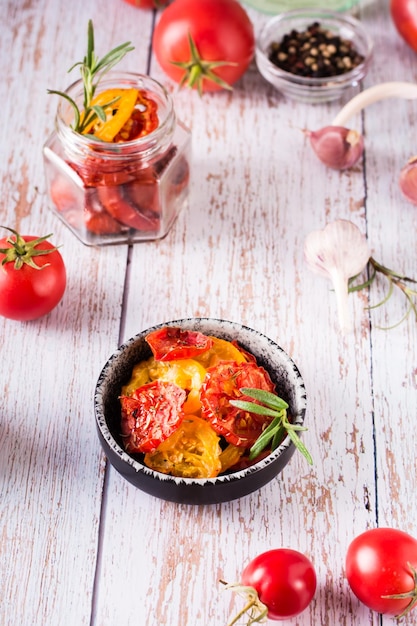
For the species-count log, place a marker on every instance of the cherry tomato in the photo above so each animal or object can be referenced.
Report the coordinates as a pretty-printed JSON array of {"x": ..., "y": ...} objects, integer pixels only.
[
  {"x": 207, "y": 45},
  {"x": 150, "y": 415},
  {"x": 222, "y": 384},
  {"x": 32, "y": 282},
  {"x": 171, "y": 343},
  {"x": 380, "y": 566},
  {"x": 285, "y": 581},
  {"x": 192, "y": 451},
  {"x": 404, "y": 16},
  {"x": 148, "y": 4}
]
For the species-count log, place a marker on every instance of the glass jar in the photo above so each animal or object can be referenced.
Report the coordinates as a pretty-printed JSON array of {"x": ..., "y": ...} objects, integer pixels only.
[{"x": 125, "y": 192}]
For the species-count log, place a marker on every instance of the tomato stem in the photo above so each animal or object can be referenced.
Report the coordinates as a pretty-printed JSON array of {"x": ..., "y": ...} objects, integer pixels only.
[
  {"x": 22, "y": 252},
  {"x": 196, "y": 69},
  {"x": 254, "y": 609},
  {"x": 412, "y": 594}
]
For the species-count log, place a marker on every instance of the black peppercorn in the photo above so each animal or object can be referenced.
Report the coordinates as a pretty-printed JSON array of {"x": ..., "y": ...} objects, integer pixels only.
[{"x": 314, "y": 52}]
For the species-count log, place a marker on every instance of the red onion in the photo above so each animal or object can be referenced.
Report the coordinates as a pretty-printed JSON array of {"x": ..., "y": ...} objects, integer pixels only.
[
  {"x": 336, "y": 146},
  {"x": 340, "y": 148},
  {"x": 408, "y": 180}
]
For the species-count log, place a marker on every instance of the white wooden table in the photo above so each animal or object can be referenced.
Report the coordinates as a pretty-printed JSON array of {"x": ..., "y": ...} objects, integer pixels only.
[{"x": 78, "y": 544}]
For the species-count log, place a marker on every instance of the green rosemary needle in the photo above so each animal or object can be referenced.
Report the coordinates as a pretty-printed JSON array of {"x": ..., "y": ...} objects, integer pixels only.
[
  {"x": 273, "y": 406},
  {"x": 92, "y": 71}
]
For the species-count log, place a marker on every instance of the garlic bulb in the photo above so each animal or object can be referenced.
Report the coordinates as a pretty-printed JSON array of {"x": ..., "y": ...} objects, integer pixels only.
[{"x": 338, "y": 252}]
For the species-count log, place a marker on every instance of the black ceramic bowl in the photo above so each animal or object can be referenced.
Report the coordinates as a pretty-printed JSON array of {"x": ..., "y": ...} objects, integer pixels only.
[{"x": 117, "y": 371}]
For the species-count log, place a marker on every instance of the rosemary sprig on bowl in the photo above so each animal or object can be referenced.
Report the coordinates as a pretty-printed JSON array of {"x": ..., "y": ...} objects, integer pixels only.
[
  {"x": 92, "y": 71},
  {"x": 275, "y": 407}
]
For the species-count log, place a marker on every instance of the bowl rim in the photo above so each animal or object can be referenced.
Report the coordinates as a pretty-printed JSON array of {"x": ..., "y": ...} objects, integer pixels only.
[
  {"x": 139, "y": 467},
  {"x": 353, "y": 75}
]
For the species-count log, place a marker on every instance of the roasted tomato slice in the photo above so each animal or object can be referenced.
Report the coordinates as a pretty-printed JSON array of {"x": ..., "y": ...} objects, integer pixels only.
[
  {"x": 150, "y": 415},
  {"x": 192, "y": 451},
  {"x": 171, "y": 343},
  {"x": 96, "y": 218},
  {"x": 222, "y": 384},
  {"x": 120, "y": 202}
]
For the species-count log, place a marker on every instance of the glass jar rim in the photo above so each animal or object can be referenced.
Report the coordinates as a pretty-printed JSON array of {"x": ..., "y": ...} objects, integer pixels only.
[{"x": 143, "y": 145}]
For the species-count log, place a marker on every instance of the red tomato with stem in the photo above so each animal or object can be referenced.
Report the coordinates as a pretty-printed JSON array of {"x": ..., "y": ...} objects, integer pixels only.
[
  {"x": 404, "y": 16},
  {"x": 283, "y": 582},
  {"x": 32, "y": 276},
  {"x": 381, "y": 568},
  {"x": 205, "y": 44},
  {"x": 171, "y": 343}
]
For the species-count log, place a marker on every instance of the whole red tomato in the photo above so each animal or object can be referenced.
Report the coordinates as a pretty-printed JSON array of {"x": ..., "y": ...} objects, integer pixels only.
[
  {"x": 32, "y": 277},
  {"x": 404, "y": 16},
  {"x": 148, "y": 4},
  {"x": 381, "y": 570},
  {"x": 205, "y": 44},
  {"x": 285, "y": 582}
]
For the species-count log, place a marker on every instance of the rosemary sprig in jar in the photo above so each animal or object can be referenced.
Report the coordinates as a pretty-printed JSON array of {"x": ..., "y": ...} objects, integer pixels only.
[
  {"x": 273, "y": 406},
  {"x": 92, "y": 71}
]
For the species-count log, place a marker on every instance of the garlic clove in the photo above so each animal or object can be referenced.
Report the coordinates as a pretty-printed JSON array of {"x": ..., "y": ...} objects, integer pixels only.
[
  {"x": 408, "y": 180},
  {"x": 338, "y": 252},
  {"x": 337, "y": 147}
]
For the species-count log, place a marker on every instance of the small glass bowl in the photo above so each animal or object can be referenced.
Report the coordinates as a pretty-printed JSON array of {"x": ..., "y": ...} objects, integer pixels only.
[
  {"x": 306, "y": 89},
  {"x": 274, "y": 7}
]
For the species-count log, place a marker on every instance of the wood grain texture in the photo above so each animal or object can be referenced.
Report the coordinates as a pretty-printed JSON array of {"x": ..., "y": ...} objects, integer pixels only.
[{"x": 79, "y": 545}]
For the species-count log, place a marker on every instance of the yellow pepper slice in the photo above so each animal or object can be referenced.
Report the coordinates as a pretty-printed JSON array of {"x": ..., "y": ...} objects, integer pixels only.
[
  {"x": 117, "y": 113},
  {"x": 192, "y": 451}
]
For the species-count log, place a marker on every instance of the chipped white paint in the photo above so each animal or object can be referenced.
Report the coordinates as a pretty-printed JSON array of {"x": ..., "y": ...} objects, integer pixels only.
[{"x": 78, "y": 544}]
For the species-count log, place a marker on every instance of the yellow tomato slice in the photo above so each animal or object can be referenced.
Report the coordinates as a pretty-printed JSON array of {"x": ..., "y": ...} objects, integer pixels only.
[
  {"x": 140, "y": 376},
  {"x": 230, "y": 456},
  {"x": 117, "y": 113},
  {"x": 221, "y": 350},
  {"x": 186, "y": 373},
  {"x": 192, "y": 451}
]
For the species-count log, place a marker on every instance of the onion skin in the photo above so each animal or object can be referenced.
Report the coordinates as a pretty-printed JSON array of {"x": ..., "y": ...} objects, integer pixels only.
[
  {"x": 408, "y": 180},
  {"x": 337, "y": 147}
]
